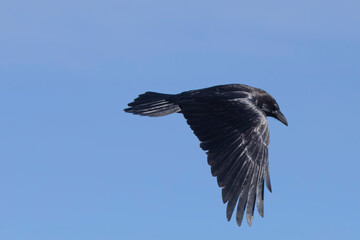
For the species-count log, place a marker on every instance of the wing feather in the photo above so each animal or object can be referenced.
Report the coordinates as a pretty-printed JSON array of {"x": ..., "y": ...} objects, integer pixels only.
[
  {"x": 260, "y": 193},
  {"x": 251, "y": 196},
  {"x": 243, "y": 196}
]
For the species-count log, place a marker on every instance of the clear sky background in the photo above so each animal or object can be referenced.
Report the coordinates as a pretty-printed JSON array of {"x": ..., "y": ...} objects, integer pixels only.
[{"x": 73, "y": 165}]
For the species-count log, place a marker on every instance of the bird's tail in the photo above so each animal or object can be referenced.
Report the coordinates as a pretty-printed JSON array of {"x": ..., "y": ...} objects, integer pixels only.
[{"x": 153, "y": 104}]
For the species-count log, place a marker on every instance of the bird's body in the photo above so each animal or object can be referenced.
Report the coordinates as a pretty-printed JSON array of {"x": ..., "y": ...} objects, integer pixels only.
[{"x": 230, "y": 122}]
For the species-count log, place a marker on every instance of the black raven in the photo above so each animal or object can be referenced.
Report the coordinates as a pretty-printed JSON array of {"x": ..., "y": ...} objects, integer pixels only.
[{"x": 230, "y": 122}]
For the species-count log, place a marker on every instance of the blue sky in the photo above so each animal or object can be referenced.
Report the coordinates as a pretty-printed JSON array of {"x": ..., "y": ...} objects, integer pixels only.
[{"x": 75, "y": 166}]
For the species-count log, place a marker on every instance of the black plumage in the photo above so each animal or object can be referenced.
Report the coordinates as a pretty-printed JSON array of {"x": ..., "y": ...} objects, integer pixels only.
[{"x": 230, "y": 122}]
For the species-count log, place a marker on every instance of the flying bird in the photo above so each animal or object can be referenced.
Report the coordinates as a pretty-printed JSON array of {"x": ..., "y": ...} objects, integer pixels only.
[{"x": 230, "y": 122}]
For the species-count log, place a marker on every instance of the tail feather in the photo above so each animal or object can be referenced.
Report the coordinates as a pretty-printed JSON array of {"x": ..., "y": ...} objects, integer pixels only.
[{"x": 153, "y": 104}]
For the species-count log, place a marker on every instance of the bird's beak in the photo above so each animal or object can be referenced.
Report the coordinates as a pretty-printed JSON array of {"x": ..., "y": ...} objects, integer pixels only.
[{"x": 279, "y": 116}]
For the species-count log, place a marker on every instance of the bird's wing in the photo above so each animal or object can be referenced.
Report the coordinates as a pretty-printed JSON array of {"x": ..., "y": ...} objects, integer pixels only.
[{"x": 235, "y": 135}]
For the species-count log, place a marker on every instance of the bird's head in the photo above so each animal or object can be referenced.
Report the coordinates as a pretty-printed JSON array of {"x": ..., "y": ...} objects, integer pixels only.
[{"x": 270, "y": 107}]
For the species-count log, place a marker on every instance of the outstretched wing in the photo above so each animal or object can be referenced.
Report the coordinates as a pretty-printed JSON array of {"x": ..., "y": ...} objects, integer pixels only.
[{"x": 235, "y": 134}]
